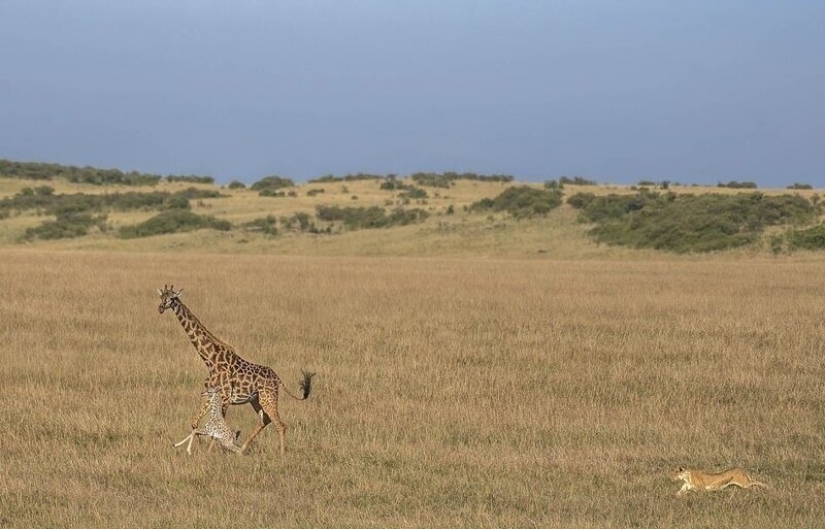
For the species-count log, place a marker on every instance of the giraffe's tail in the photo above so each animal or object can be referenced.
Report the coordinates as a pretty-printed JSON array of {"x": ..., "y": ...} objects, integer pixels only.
[{"x": 305, "y": 384}]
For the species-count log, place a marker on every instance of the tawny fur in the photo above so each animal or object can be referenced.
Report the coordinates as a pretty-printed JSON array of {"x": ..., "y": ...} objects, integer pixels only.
[{"x": 705, "y": 481}]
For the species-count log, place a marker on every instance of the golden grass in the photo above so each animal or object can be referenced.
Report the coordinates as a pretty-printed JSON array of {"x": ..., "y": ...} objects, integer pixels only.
[{"x": 450, "y": 392}]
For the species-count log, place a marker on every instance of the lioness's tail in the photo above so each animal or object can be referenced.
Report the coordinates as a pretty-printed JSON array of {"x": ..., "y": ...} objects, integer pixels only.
[{"x": 305, "y": 384}]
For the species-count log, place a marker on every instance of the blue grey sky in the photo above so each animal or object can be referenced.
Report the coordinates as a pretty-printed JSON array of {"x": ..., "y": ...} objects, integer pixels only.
[{"x": 704, "y": 91}]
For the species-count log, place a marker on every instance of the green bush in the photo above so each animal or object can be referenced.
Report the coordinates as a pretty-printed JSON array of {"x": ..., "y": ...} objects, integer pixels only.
[
  {"x": 356, "y": 218},
  {"x": 446, "y": 179},
  {"x": 43, "y": 199},
  {"x": 688, "y": 223},
  {"x": 553, "y": 184},
  {"x": 173, "y": 221},
  {"x": 733, "y": 184},
  {"x": 66, "y": 226},
  {"x": 234, "y": 184},
  {"x": 176, "y": 202},
  {"x": 266, "y": 225},
  {"x": 808, "y": 239},
  {"x": 347, "y": 178},
  {"x": 85, "y": 175},
  {"x": 391, "y": 183},
  {"x": 432, "y": 179},
  {"x": 521, "y": 202},
  {"x": 413, "y": 193},
  {"x": 192, "y": 179},
  {"x": 89, "y": 175},
  {"x": 300, "y": 221},
  {"x": 272, "y": 182},
  {"x": 576, "y": 181}
]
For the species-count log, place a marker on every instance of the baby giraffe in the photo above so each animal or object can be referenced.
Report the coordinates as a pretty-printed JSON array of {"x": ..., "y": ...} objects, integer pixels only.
[{"x": 215, "y": 426}]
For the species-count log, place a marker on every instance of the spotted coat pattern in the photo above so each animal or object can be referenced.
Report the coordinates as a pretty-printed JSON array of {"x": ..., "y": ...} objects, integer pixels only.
[{"x": 237, "y": 380}]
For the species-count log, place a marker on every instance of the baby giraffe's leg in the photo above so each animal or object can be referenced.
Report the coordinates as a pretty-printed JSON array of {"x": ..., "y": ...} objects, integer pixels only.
[
  {"x": 187, "y": 438},
  {"x": 230, "y": 445},
  {"x": 224, "y": 409},
  {"x": 204, "y": 407},
  {"x": 191, "y": 437}
]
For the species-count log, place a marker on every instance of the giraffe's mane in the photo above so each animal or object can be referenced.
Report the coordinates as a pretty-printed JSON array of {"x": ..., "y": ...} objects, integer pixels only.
[{"x": 209, "y": 334}]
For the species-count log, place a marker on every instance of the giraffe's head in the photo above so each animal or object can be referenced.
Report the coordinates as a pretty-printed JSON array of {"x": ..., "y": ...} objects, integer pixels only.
[{"x": 168, "y": 298}]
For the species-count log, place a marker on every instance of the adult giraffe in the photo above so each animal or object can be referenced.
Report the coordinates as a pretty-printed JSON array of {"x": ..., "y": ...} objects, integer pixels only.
[{"x": 238, "y": 381}]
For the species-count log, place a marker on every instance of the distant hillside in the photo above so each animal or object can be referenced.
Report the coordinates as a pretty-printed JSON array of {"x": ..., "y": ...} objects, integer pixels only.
[{"x": 449, "y": 213}]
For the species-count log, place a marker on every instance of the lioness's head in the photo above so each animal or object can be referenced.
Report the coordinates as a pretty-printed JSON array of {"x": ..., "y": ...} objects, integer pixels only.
[{"x": 678, "y": 474}]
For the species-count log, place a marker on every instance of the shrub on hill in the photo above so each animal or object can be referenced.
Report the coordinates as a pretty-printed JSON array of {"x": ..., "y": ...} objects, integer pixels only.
[
  {"x": 272, "y": 183},
  {"x": 176, "y": 202},
  {"x": 807, "y": 239},
  {"x": 392, "y": 183},
  {"x": 192, "y": 179},
  {"x": 413, "y": 193},
  {"x": 346, "y": 178},
  {"x": 432, "y": 179},
  {"x": 173, "y": 221},
  {"x": 235, "y": 184},
  {"x": 266, "y": 225},
  {"x": 576, "y": 181},
  {"x": 521, "y": 202},
  {"x": 800, "y": 186},
  {"x": 688, "y": 223},
  {"x": 553, "y": 184},
  {"x": 355, "y": 218},
  {"x": 84, "y": 175},
  {"x": 300, "y": 222},
  {"x": 272, "y": 193},
  {"x": 446, "y": 179},
  {"x": 733, "y": 184},
  {"x": 66, "y": 226},
  {"x": 42, "y": 198},
  {"x": 99, "y": 177}
]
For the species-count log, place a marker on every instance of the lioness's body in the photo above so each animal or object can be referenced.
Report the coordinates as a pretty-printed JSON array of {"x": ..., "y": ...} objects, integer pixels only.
[{"x": 705, "y": 481}]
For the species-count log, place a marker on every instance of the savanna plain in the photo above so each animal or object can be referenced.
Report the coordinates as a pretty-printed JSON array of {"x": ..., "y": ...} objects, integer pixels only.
[{"x": 450, "y": 392}]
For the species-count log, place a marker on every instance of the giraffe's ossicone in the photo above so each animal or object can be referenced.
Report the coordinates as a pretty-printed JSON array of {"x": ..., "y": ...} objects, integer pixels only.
[{"x": 237, "y": 381}]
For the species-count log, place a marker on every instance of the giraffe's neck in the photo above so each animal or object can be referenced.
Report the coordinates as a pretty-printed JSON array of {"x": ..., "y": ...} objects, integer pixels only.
[{"x": 206, "y": 344}]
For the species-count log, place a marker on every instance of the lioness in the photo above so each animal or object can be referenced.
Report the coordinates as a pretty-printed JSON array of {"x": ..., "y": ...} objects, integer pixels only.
[{"x": 704, "y": 481}]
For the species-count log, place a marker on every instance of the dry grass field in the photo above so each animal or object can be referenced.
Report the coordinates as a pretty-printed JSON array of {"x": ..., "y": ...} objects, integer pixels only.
[{"x": 451, "y": 392}]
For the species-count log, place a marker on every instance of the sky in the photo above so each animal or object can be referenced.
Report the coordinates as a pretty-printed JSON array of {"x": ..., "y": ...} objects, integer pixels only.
[{"x": 700, "y": 92}]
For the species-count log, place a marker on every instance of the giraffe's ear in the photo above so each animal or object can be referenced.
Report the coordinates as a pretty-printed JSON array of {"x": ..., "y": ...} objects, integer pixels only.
[
  {"x": 160, "y": 293},
  {"x": 178, "y": 293}
]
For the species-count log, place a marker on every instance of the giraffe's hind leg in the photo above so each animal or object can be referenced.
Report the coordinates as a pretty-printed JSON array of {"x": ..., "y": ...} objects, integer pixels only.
[
  {"x": 263, "y": 420},
  {"x": 266, "y": 406}
]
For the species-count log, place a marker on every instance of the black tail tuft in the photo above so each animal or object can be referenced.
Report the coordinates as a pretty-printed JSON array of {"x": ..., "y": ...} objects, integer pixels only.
[{"x": 306, "y": 382}]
